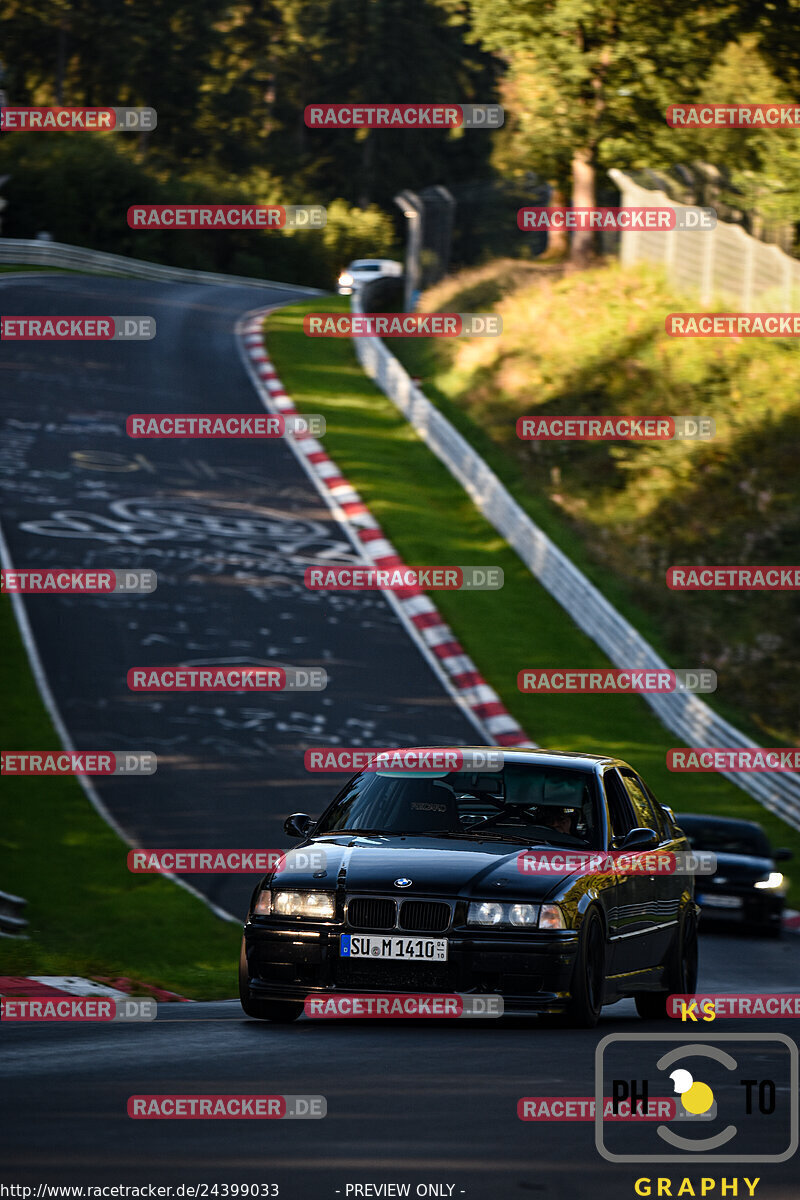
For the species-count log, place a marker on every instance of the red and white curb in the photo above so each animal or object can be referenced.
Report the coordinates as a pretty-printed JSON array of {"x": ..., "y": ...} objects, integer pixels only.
[
  {"x": 435, "y": 639},
  {"x": 49, "y": 987}
]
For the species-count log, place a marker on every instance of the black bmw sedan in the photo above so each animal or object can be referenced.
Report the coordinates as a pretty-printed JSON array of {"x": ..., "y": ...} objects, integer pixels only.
[
  {"x": 418, "y": 882},
  {"x": 747, "y": 888}
]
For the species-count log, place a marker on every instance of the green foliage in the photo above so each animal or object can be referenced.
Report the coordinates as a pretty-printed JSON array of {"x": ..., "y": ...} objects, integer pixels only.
[
  {"x": 79, "y": 190},
  {"x": 640, "y": 507}
]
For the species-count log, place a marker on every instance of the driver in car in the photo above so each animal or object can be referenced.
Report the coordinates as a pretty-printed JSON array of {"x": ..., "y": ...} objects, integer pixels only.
[{"x": 558, "y": 819}]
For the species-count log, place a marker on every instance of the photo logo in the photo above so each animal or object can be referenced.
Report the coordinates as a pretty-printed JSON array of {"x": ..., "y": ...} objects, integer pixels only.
[{"x": 736, "y": 1097}]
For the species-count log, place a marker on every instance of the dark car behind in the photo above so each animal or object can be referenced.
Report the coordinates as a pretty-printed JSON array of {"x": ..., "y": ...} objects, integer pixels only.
[{"x": 747, "y": 889}]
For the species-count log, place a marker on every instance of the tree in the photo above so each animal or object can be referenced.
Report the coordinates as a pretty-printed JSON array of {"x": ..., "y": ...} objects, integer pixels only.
[{"x": 599, "y": 75}]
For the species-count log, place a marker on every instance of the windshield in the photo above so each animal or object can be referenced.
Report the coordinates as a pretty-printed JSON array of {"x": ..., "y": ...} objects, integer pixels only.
[
  {"x": 522, "y": 803},
  {"x": 725, "y": 839}
]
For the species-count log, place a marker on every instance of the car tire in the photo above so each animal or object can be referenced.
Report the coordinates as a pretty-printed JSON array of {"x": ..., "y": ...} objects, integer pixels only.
[
  {"x": 681, "y": 973},
  {"x": 282, "y": 1012},
  {"x": 589, "y": 974}
]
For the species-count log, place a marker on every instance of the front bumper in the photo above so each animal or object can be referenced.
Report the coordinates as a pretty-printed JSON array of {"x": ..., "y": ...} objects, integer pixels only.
[
  {"x": 532, "y": 972},
  {"x": 756, "y": 906}
]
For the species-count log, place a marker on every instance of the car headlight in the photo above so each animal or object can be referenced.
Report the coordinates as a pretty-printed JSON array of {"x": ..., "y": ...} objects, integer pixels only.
[
  {"x": 774, "y": 880},
  {"x": 345, "y": 279},
  {"x": 484, "y": 912},
  {"x": 551, "y": 917},
  {"x": 302, "y": 904},
  {"x": 264, "y": 903},
  {"x": 523, "y": 914},
  {"x": 491, "y": 912}
]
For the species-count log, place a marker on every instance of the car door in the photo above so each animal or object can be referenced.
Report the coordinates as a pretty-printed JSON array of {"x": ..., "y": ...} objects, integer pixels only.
[
  {"x": 630, "y": 924},
  {"x": 662, "y": 891}
]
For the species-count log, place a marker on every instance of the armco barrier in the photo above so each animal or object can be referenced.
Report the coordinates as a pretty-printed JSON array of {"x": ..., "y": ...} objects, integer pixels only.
[
  {"x": 79, "y": 258},
  {"x": 692, "y": 721},
  {"x": 12, "y": 923}
]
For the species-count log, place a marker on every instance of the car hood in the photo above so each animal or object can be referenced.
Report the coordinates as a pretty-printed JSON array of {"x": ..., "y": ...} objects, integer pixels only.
[
  {"x": 435, "y": 866},
  {"x": 740, "y": 869}
]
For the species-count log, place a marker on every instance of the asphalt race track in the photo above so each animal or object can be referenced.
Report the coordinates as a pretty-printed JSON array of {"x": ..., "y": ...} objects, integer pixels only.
[
  {"x": 412, "y": 1102},
  {"x": 229, "y": 527}
]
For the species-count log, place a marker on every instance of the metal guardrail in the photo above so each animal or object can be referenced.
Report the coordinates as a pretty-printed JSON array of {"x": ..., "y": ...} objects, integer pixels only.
[
  {"x": 78, "y": 258},
  {"x": 12, "y": 922},
  {"x": 690, "y": 719}
]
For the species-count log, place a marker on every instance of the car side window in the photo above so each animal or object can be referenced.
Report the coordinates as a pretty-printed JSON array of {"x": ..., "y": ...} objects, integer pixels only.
[
  {"x": 646, "y": 814},
  {"x": 620, "y": 809}
]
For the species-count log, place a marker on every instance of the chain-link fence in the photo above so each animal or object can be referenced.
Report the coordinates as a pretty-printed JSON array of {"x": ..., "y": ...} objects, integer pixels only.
[{"x": 724, "y": 265}]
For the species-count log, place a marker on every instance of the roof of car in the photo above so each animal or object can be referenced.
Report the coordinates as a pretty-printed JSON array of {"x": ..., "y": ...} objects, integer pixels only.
[
  {"x": 536, "y": 755},
  {"x": 720, "y": 822}
]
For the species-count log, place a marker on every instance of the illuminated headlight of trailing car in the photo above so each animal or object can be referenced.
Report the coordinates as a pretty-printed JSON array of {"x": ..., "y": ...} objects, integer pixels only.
[
  {"x": 319, "y": 905},
  {"x": 490, "y": 912},
  {"x": 773, "y": 881},
  {"x": 345, "y": 279}
]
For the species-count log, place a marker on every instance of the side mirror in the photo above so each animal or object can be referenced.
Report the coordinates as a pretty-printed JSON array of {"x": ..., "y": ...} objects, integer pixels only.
[
  {"x": 638, "y": 839},
  {"x": 298, "y": 825},
  {"x": 782, "y": 854}
]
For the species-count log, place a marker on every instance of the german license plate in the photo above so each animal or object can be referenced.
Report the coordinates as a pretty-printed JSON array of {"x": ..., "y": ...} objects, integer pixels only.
[
  {"x": 720, "y": 901},
  {"x": 409, "y": 949}
]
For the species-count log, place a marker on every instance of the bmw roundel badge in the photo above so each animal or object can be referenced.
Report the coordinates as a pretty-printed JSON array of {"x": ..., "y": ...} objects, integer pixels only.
[{"x": 403, "y": 882}]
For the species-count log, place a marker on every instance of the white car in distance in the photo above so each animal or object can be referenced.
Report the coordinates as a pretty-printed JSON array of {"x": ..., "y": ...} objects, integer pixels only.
[{"x": 365, "y": 270}]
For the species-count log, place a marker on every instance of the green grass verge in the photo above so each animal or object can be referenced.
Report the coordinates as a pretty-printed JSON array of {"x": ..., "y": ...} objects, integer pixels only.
[
  {"x": 430, "y": 519},
  {"x": 87, "y": 914}
]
